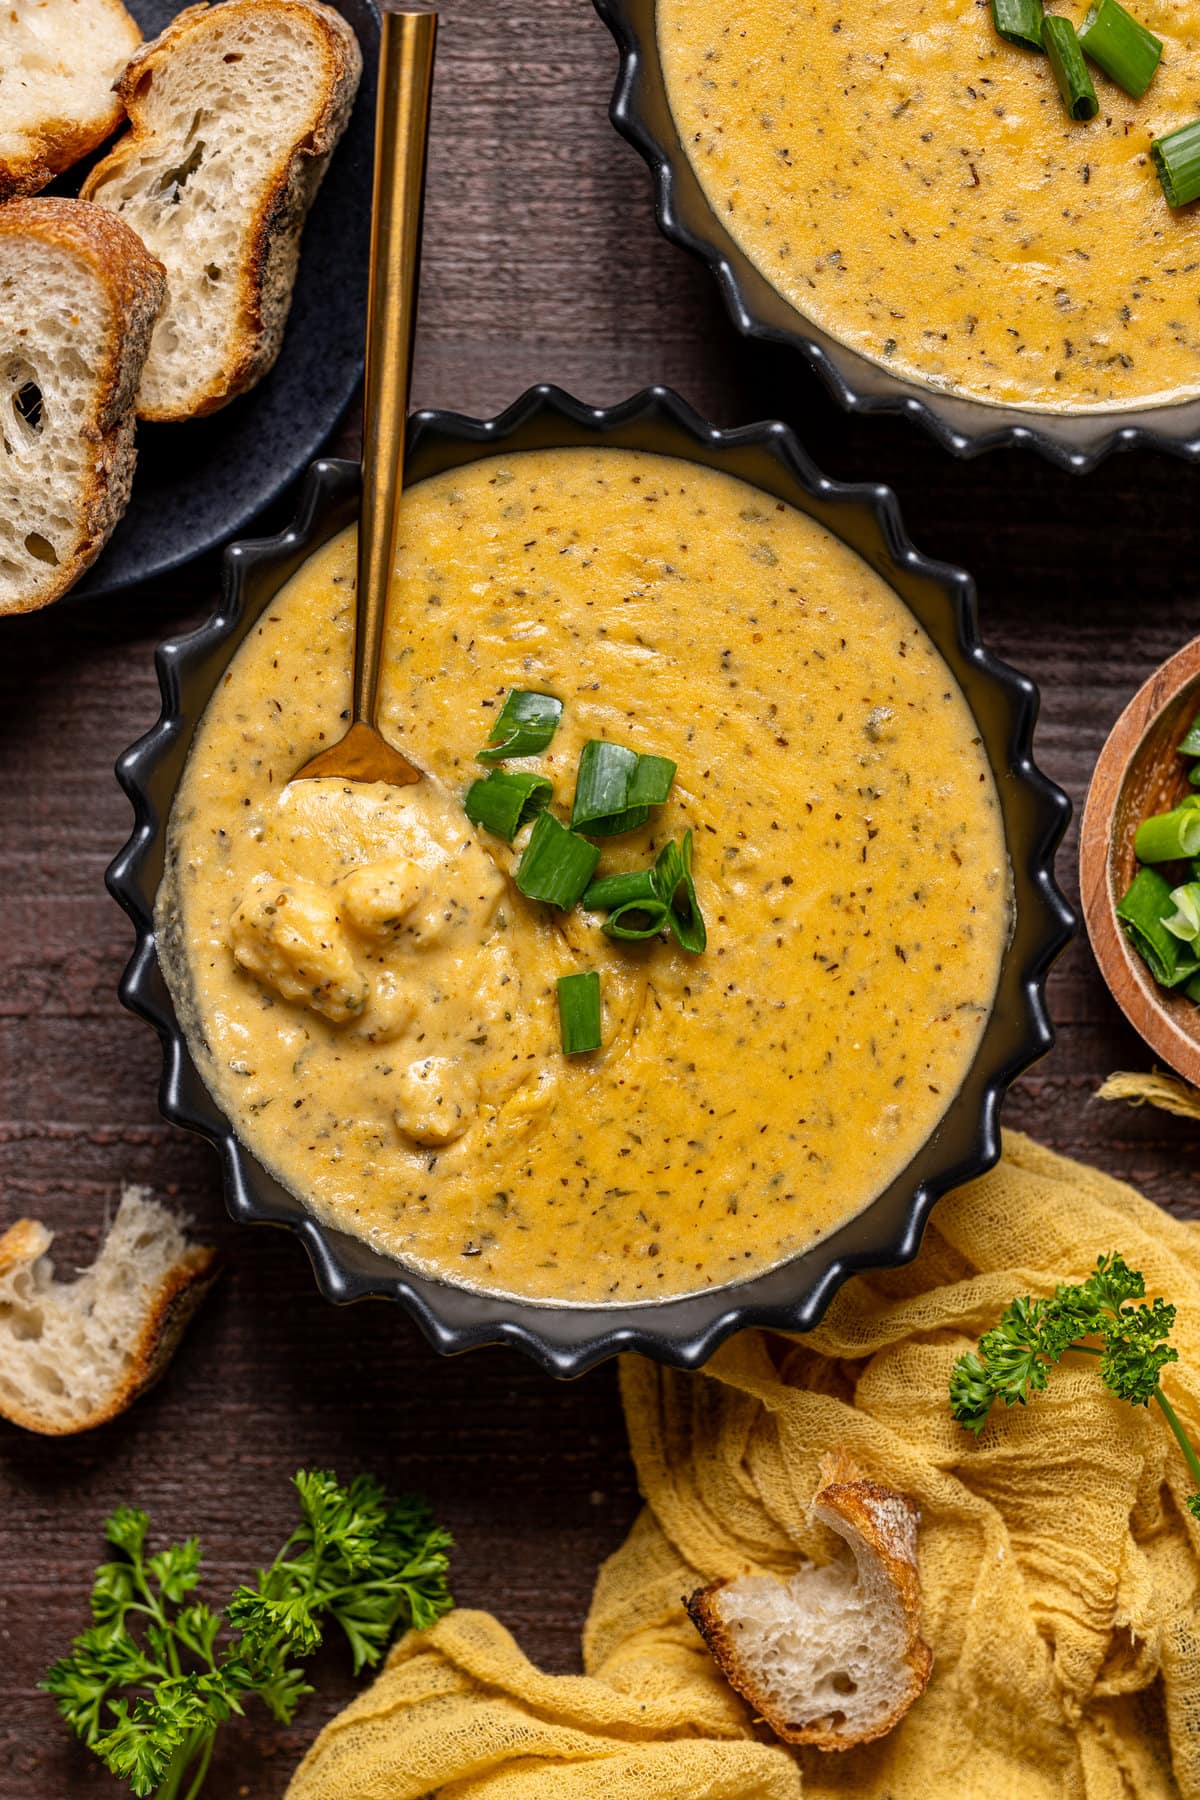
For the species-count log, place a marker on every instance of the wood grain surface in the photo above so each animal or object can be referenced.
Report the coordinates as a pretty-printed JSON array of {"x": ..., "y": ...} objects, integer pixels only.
[{"x": 542, "y": 262}]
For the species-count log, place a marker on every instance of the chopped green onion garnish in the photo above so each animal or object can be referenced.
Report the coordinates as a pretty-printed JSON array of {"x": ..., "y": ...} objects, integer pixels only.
[
  {"x": 1177, "y": 159},
  {"x": 615, "y": 788},
  {"x": 1141, "y": 914},
  {"x": 1170, "y": 836},
  {"x": 602, "y": 783},
  {"x": 1070, "y": 71},
  {"x": 1191, "y": 743},
  {"x": 632, "y": 819},
  {"x": 638, "y": 919},
  {"x": 1184, "y": 923},
  {"x": 673, "y": 874},
  {"x": 621, "y": 890},
  {"x": 650, "y": 784},
  {"x": 579, "y": 1011},
  {"x": 505, "y": 800},
  {"x": 643, "y": 902},
  {"x": 555, "y": 866},
  {"x": 1123, "y": 48},
  {"x": 1019, "y": 22},
  {"x": 525, "y": 725}
]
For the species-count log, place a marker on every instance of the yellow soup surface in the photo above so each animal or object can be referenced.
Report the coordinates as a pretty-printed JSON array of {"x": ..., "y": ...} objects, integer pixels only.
[
  {"x": 913, "y": 184},
  {"x": 373, "y": 1002}
]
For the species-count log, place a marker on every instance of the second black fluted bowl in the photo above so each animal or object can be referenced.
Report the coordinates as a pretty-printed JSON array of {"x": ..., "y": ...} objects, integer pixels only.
[{"x": 965, "y": 426}]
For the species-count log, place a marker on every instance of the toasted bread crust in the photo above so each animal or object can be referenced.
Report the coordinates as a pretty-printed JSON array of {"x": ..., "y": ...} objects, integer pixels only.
[
  {"x": 59, "y": 144},
  {"x": 136, "y": 284},
  {"x": 23, "y": 1242},
  {"x": 56, "y": 145},
  {"x": 171, "y": 1309},
  {"x": 885, "y": 1524},
  {"x": 268, "y": 274}
]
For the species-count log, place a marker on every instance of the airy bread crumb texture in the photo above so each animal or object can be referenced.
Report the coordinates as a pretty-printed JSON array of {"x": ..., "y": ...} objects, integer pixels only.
[
  {"x": 74, "y": 1354},
  {"x": 78, "y": 296},
  {"x": 234, "y": 113},
  {"x": 831, "y": 1655},
  {"x": 59, "y": 63}
]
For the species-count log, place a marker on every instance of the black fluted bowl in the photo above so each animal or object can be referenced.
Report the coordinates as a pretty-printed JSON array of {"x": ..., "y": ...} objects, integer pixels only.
[
  {"x": 641, "y": 112},
  {"x": 568, "y": 1339}
]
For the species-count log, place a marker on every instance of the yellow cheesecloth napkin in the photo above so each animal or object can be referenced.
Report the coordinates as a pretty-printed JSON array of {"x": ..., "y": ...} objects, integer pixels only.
[
  {"x": 1167, "y": 1092},
  {"x": 1061, "y": 1572}
]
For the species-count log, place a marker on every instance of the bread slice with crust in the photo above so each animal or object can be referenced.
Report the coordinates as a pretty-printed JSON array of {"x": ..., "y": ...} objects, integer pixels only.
[
  {"x": 59, "y": 64},
  {"x": 833, "y": 1655},
  {"x": 234, "y": 113},
  {"x": 79, "y": 294},
  {"x": 75, "y": 1354}
]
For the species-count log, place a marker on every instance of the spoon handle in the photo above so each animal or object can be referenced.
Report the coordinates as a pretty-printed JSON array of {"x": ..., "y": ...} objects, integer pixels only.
[{"x": 401, "y": 132}]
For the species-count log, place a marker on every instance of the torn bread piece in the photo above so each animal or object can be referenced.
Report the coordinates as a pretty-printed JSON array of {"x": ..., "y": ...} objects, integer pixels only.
[
  {"x": 831, "y": 1656},
  {"x": 59, "y": 64},
  {"x": 75, "y": 1354},
  {"x": 79, "y": 294},
  {"x": 234, "y": 113}
]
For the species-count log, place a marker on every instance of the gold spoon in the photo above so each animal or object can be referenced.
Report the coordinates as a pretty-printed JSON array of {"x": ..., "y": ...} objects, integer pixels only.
[{"x": 401, "y": 131}]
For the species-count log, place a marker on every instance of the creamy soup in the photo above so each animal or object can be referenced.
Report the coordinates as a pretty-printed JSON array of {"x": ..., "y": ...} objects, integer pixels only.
[
  {"x": 373, "y": 1002},
  {"x": 912, "y": 183}
]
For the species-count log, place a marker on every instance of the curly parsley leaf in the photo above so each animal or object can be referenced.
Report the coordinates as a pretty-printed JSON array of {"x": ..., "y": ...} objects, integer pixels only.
[
  {"x": 148, "y": 1685},
  {"x": 1014, "y": 1358}
]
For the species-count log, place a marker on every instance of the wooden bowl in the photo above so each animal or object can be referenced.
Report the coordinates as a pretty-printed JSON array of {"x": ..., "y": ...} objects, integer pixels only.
[{"x": 1140, "y": 773}]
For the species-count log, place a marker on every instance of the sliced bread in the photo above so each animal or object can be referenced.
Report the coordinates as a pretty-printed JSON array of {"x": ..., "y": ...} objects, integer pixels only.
[
  {"x": 833, "y": 1655},
  {"x": 234, "y": 113},
  {"x": 75, "y": 1354},
  {"x": 59, "y": 63},
  {"x": 79, "y": 294}
]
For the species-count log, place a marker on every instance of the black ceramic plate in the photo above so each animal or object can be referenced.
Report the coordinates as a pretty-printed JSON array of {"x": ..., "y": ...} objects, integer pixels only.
[
  {"x": 641, "y": 112},
  {"x": 563, "y": 1339},
  {"x": 198, "y": 484}
]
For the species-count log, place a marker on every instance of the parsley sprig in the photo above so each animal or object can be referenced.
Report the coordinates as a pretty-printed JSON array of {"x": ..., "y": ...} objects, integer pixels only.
[
  {"x": 1014, "y": 1358},
  {"x": 148, "y": 1685}
]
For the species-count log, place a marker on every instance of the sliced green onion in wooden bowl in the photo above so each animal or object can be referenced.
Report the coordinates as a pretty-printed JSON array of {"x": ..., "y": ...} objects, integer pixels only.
[
  {"x": 1177, "y": 159},
  {"x": 1061, "y": 45},
  {"x": 1168, "y": 837},
  {"x": 1121, "y": 45},
  {"x": 1141, "y": 912},
  {"x": 1184, "y": 922}
]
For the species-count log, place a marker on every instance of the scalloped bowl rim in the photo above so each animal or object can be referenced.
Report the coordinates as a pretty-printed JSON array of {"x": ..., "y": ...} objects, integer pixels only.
[{"x": 564, "y": 1339}]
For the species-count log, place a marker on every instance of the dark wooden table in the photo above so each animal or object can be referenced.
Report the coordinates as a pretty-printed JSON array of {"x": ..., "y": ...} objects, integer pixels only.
[{"x": 542, "y": 262}]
